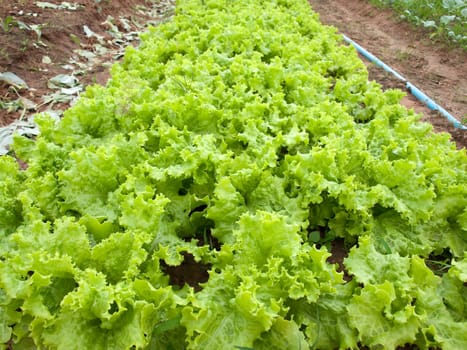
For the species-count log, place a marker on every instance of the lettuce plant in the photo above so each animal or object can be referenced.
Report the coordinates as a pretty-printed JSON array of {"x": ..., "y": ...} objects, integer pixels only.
[{"x": 199, "y": 200}]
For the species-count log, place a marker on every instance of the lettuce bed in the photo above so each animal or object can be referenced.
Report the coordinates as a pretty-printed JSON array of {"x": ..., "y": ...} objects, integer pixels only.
[{"x": 200, "y": 199}]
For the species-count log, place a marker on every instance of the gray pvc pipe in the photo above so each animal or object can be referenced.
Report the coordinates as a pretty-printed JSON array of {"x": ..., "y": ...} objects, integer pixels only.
[{"x": 412, "y": 88}]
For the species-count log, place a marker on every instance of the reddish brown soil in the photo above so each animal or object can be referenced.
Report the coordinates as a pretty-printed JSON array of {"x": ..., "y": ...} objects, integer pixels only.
[
  {"x": 22, "y": 50},
  {"x": 437, "y": 69}
]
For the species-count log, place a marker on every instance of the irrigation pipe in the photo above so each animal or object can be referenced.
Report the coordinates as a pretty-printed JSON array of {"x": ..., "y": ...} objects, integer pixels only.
[{"x": 411, "y": 87}]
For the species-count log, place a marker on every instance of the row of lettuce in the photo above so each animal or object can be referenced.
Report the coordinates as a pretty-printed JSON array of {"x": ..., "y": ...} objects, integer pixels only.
[
  {"x": 244, "y": 135},
  {"x": 445, "y": 19}
]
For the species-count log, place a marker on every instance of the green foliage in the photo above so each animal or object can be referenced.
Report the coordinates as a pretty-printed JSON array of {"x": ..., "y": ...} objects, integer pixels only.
[
  {"x": 8, "y": 23},
  {"x": 444, "y": 18},
  {"x": 240, "y": 140}
]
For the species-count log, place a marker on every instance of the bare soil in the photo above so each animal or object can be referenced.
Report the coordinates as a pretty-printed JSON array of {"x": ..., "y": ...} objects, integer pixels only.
[
  {"x": 439, "y": 70},
  {"x": 42, "y": 41}
]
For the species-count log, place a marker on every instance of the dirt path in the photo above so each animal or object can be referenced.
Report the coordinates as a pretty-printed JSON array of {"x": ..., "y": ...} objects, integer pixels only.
[
  {"x": 440, "y": 71},
  {"x": 42, "y": 39}
]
